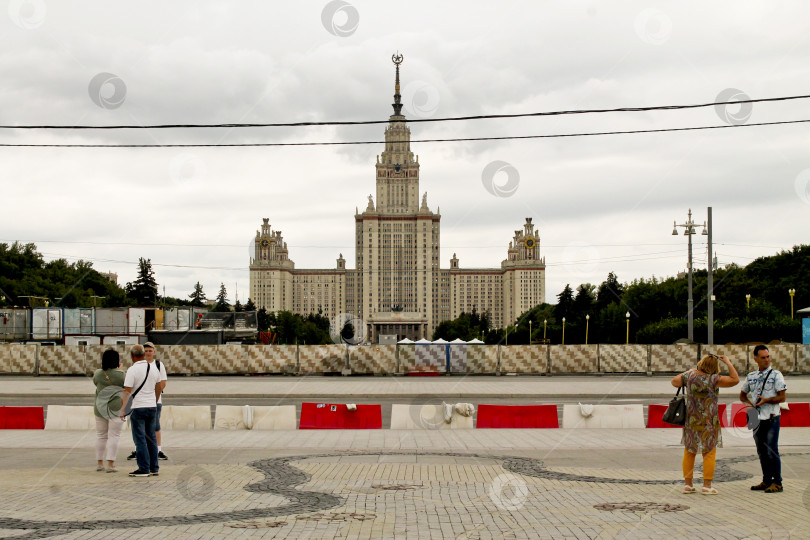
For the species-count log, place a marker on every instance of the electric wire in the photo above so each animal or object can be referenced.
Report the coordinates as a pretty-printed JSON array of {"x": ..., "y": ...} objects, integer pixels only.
[
  {"x": 414, "y": 120},
  {"x": 346, "y": 143}
]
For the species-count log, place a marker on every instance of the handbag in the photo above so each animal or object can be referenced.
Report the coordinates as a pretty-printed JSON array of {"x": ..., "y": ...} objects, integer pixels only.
[
  {"x": 128, "y": 406},
  {"x": 676, "y": 411},
  {"x": 752, "y": 413}
]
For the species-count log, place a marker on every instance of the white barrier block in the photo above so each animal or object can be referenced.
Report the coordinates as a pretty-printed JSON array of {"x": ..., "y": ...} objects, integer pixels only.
[
  {"x": 70, "y": 417},
  {"x": 188, "y": 418},
  {"x": 427, "y": 417},
  {"x": 233, "y": 417},
  {"x": 604, "y": 416},
  {"x": 272, "y": 418}
]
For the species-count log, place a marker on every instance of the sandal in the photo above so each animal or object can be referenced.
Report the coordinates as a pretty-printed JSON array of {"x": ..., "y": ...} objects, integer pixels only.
[
  {"x": 709, "y": 491},
  {"x": 689, "y": 489}
]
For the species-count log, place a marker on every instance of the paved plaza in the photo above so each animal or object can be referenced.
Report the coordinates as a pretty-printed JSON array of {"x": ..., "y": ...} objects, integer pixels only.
[{"x": 540, "y": 483}]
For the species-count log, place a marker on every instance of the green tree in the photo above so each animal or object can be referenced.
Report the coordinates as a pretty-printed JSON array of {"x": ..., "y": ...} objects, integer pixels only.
[
  {"x": 197, "y": 296},
  {"x": 609, "y": 291},
  {"x": 250, "y": 306},
  {"x": 263, "y": 320},
  {"x": 565, "y": 303},
  {"x": 144, "y": 290},
  {"x": 237, "y": 307},
  {"x": 221, "y": 304}
]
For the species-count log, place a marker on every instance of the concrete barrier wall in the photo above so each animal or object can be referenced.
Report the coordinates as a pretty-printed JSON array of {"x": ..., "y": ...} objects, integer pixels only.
[
  {"x": 406, "y": 356},
  {"x": 804, "y": 358},
  {"x": 70, "y": 417},
  {"x": 186, "y": 418},
  {"x": 474, "y": 359},
  {"x": 573, "y": 358},
  {"x": 271, "y": 359},
  {"x": 321, "y": 358},
  {"x": 274, "y": 418},
  {"x": 738, "y": 354},
  {"x": 604, "y": 416},
  {"x": 673, "y": 358},
  {"x": 230, "y": 417},
  {"x": 427, "y": 416},
  {"x": 373, "y": 359},
  {"x": 67, "y": 360},
  {"x": 390, "y": 359},
  {"x": 423, "y": 358},
  {"x": 18, "y": 359},
  {"x": 524, "y": 359},
  {"x": 783, "y": 358},
  {"x": 231, "y": 359},
  {"x": 623, "y": 358}
]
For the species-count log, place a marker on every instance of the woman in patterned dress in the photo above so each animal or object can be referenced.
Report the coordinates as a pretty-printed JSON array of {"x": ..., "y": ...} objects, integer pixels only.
[{"x": 701, "y": 433}]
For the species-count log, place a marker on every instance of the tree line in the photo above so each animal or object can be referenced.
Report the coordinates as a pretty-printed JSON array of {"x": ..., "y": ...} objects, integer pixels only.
[{"x": 657, "y": 308}]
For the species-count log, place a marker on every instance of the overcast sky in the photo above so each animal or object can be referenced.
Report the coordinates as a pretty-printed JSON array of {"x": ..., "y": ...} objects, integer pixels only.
[{"x": 602, "y": 203}]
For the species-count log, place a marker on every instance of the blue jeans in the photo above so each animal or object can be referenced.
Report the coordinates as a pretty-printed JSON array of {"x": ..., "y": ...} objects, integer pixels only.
[
  {"x": 142, "y": 424},
  {"x": 766, "y": 436}
]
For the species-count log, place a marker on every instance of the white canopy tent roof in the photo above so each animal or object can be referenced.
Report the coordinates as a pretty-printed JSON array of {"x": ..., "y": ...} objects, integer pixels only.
[
  {"x": 423, "y": 341},
  {"x": 404, "y": 341},
  {"x": 458, "y": 341},
  {"x": 440, "y": 341},
  {"x": 475, "y": 341}
]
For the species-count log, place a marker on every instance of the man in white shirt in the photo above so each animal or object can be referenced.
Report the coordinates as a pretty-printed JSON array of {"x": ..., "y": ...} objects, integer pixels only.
[
  {"x": 145, "y": 379},
  {"x": 766, "y": 388},
  {"x": 149, "y": 349}
]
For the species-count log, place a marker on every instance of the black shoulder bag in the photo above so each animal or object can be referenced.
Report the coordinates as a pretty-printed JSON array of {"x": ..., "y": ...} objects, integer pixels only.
[
  {"x": 676, "y": 411},
  {"x": 752, "y": 413},
  {"x": 128, "y": 406}
]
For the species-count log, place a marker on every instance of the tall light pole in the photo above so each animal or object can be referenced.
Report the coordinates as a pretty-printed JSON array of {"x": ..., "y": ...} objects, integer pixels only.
[
  {"x": 689, "y": 230},
  {"x": 627, "y": 316},
  {"x": 710, "y": 281},
  {"x": 587, "y": 319},
  {"x": 530, "y": 331},
  {"x": 747, "y": 302},
  {"x": 791, "y": 292},
  {"x": 563, "y": 336},
  {"x": 544, "y": 329}
]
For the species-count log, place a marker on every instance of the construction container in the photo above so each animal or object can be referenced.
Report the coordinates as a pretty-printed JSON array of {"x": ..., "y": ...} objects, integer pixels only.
[
  {"x": 78, "y": 321},
  {"x": 46, "y": 324},
  {"x": 15, "y": 324}
]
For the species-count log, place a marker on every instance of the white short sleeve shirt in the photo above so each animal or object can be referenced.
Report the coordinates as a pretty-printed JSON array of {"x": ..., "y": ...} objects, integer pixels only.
[
  {"x": 135, "y": 376},
  {"x": 753, "y": 387}
]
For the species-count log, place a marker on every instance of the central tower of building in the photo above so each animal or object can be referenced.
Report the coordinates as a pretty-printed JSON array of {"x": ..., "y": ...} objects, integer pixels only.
[{"x": 397, "y": 241}]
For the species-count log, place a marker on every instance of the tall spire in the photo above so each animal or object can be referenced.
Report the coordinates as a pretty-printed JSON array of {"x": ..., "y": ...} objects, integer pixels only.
[{"x": 397, "y": 59}]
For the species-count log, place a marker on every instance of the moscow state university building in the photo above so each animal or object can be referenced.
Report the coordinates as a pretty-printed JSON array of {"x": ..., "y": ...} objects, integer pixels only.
[{"x": 397, "y": 286}]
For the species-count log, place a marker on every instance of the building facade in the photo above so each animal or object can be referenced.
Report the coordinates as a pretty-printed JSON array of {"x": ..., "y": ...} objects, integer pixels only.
[{"x": 397, "y": 286}]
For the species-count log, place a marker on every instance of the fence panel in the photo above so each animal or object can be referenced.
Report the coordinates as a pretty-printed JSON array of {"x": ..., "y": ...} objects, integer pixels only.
[
  {"x": 271, "y": 359},
  {"x": 623, "y": 358},
  {"x": 524, "y": 359},
  {"x": 373, "y": 360},
  {"x": 673, "y": 358},
  {"x": 573, "y": 358},
  {"x": 321, "y": 358}
]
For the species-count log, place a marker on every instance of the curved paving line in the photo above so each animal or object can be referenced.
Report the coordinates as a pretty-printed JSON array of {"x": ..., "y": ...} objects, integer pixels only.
[{"x": 280, "y": 478}]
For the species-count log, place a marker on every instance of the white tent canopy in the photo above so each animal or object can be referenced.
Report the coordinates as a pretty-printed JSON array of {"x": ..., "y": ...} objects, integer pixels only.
[
  {"x": 423, "y": 341},
  {"x": 440, "y": 341},
  {"x": 404, "y": 341},
  {"x": 458, "y": 341},
  {"x": 475, "y": 341}
]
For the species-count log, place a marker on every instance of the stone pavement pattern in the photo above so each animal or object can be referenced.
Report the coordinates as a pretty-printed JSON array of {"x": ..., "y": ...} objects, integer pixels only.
[{"x": 404, "y": 494}]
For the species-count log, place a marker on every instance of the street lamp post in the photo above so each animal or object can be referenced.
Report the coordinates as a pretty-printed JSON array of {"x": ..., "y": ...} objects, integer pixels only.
[
  {"x": 627, "y": 316},
  {"x": 689, "y": 230},
  {"x": 530, "y": 331},
  {"x": 587, "y": 319},
  {"x": 563, "y": 336},
  {"x": 791, "y": 292},
  {"x": 544, "y": 329},
  {"x": 748, "y": 302}
]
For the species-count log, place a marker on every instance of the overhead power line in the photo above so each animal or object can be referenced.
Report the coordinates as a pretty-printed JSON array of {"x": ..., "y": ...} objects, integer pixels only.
[
  {"x": 415, "y": 120},
  {"x": 460, "y": 139}
]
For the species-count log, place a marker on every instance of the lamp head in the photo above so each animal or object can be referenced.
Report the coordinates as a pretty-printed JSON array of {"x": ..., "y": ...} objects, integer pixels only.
[{"x": 627, "y": 314}]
